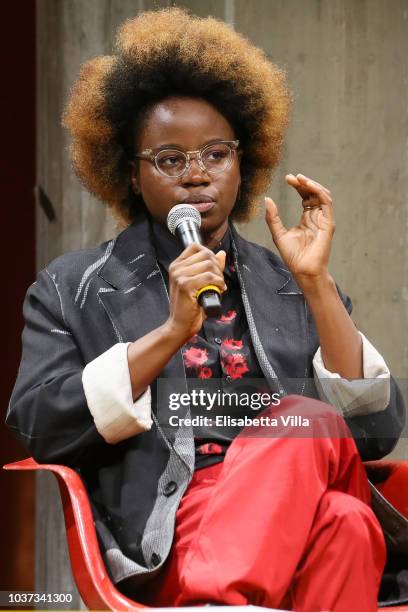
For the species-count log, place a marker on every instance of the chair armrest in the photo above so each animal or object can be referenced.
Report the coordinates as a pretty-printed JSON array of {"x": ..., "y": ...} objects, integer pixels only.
[{"x": 391, "y": 479}]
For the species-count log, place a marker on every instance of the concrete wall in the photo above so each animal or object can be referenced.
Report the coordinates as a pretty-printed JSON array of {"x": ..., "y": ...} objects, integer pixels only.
[{"x": 347, "y": 65}]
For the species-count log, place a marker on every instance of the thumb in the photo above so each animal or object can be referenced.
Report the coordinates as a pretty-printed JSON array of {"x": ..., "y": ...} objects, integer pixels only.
[
  {"x": 273, "y": 220},
  {"x": 221, "y": 256}
]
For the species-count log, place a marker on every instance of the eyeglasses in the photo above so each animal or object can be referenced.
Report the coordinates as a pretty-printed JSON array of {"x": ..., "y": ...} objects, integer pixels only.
[{"x": 213, "y": 158}]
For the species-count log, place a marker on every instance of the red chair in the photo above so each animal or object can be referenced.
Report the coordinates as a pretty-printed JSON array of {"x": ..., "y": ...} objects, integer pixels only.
[
  {"x": 90, "y": 575},
  {"x": 92, "y": 580}
]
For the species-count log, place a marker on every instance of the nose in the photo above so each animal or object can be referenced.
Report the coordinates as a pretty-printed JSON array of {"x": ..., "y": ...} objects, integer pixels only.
[{"x": 194, "y": 173}]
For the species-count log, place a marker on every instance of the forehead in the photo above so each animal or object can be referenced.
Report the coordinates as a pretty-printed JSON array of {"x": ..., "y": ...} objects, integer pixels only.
[{"x": 188, "y": 122}]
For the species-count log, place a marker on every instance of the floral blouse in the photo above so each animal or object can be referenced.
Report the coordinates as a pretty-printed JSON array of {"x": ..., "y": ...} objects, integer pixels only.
[{"x": 222, "y": 350}]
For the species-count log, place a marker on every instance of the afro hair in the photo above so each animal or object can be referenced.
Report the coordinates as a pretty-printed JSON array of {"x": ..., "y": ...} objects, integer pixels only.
[{"x": 164, "y": 53}]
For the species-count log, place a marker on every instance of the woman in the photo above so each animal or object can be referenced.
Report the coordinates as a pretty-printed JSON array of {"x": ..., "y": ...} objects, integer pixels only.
[{"x": 190, "y": 112}]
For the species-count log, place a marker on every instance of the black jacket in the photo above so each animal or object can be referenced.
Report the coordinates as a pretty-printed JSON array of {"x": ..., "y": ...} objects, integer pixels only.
[{"x": 77, "y": 309}]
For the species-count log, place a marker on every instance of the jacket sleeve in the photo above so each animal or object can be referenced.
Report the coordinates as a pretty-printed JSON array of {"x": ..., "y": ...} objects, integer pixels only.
[
  {"x": 355, "y": 397},
  {"x": 48, "y": 407},
  {"x": 373, "y": 407},
  {"x": 62, "y": 408},
  {"x": 377, "y": 434},
  {"x": 108, "y": 391}
]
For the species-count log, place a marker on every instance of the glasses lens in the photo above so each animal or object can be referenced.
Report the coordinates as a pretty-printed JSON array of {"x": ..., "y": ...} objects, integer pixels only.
[
  {"x": 216, "y": 157},
  {"x": 170, "y": 162}
]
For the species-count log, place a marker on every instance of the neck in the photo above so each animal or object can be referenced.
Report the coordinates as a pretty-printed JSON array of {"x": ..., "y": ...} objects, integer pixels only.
[{"x": 212, "y": 239}]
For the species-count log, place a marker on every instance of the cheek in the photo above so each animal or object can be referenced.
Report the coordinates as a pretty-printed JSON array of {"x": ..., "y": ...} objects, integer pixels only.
[
  {"x": 153, "y": 191},
  {"x": 231, "y": 184}
]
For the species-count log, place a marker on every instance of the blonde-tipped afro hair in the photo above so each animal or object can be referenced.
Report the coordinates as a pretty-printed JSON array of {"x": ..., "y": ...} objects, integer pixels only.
[{"x": 161, "y": 54}]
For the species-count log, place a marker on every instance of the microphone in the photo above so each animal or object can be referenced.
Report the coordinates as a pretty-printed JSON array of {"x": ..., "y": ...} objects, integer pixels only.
[{"x": 184, "y": 221}]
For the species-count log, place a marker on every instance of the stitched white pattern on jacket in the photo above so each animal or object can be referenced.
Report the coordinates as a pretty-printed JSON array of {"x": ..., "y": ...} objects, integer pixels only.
[
  {"x": 109, "y": 290},
  {"x": 136, "y": 258},
  {"x": 133, "y": 288},
  {"x": 86, "y": 292},
  {"x": 53, "y": 277},
  {"x": 60, "y": 331},
  {"x": 93, "y": 267}
]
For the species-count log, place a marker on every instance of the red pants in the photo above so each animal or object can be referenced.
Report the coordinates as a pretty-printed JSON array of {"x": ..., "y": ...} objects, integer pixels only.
[{"x": 283, "y": 522}]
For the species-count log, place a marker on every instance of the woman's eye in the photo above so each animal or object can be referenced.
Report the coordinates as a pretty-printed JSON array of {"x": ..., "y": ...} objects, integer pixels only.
[
  {"x": 170, "y": 160},
  {"x": 216, "y": 154}
]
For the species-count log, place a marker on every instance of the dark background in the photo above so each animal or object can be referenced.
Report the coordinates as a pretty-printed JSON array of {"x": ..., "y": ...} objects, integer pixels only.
[{"x": 17, "y": 180}]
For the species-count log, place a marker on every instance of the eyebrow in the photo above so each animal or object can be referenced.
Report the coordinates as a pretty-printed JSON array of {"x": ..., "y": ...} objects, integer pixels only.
[{"x": 173, "y": 145}]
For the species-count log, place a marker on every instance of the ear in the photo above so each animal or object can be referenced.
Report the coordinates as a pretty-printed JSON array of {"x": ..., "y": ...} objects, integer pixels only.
[{"x": 134, "y": 179}]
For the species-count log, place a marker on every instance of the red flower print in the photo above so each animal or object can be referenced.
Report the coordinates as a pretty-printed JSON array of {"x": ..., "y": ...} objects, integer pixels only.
[
  {"x": 195, "y": 357},
  {"x": 227, "y": 318},
  {"x": 229, "y": 343},
  {"x": 235, "y": 365},
  {"x": 204, "y": 372}
]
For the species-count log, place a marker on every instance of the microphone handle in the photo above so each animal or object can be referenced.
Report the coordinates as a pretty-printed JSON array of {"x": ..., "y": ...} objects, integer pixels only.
[{"x": 209, "y": 299}]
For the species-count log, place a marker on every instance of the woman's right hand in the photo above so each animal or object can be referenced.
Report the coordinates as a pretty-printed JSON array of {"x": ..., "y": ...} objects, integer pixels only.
[{"x": 196, "y": 267}]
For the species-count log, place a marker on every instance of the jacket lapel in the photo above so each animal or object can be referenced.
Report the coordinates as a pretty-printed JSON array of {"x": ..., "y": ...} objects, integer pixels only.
[
  {"x": 136, "y": 303},
  {"x": 274, "y": 307},
  {"x": 136, "y": 300}
]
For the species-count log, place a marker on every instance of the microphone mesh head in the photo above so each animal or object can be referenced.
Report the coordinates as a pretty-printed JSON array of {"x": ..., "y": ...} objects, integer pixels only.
[{"x": 180, "y": 213}]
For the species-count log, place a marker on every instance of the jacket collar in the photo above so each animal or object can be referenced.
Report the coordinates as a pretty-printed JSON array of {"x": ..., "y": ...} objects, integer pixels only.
[
  {"x": 134, "y": 257},
  {"x": 251, "y": 258}
]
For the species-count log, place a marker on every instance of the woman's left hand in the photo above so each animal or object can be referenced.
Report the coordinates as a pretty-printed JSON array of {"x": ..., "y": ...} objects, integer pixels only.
[{"x": 305, "y": 248}]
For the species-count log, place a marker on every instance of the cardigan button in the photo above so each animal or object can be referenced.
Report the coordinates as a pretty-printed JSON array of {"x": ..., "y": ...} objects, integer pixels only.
[
  {"x": 218, "y": 340},
  {"x": 155, "y": 559},
  {"x": 170, "y": 488}
]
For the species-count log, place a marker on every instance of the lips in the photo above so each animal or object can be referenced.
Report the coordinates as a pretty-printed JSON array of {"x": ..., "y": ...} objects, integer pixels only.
[
  {"x": 197, "y": 198},
  {"x": 202, "y": 206},
  {"x": 201, "y": 202}
]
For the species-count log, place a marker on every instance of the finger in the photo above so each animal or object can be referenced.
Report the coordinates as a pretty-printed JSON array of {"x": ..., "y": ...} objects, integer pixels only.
[
  {"x": 190, "y": 271},
  {"x": 304, "y": 187},
  {"x": 308, "y": 199},
  {"x": 307, "y": 226},
  {"x": 309, "y": 219},
  {"x": 316, "y": 218},
  {"x": 315, "y": 188},
  {"x": 195, "y": 249},
  {"x": 324, "y": 199},
  {"x": 302, "y": 177},
  {"x": 273, "y": 220},
  {"x": 221, "y": 257},
  {"x": 194, "y": 283},
  {"x": 193, "y": 254},
  {"x": 293, "y": 181},
  {"x": 311, "y": 201}
]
